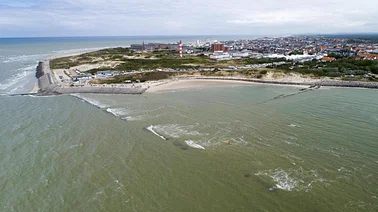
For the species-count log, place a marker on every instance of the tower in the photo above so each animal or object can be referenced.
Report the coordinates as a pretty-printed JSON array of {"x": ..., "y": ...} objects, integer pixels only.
[{"x": 180, "y": 48}]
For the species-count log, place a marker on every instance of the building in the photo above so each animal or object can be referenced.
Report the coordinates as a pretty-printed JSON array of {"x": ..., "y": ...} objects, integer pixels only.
[
  {"x": 76, "y": 78},
  {"x": 218, "y": 47},
  {"x": 155, "y": 46},
  {"x": 322, "y": 48},
  {"x": 328, "y": 59},
  {"x": 136, "y": 47},
  {"x": 104, "y": 73},
  {"x": 220, "y": 56},
  {"x": 240, "y": 54},
  {"x": 368, "y": 56}
]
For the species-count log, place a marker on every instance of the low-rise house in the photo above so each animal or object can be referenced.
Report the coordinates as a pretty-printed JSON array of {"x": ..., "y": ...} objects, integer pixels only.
[
  {"x": 81, "y": 77},
  {"x": 220, "y": 56},
  {"x": 328, "y": 59},
  {"x": 240, "y": 54},
  {"x": 368, "y": 56},
  {"x": 107, "y": 73}
]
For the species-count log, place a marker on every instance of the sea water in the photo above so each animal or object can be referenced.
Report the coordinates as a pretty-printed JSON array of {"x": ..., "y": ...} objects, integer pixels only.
[{"x": 204, "y": 149}]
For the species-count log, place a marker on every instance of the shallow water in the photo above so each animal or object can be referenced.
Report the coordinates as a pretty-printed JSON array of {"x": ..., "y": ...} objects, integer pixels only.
[{"x": 315, "y": 151}]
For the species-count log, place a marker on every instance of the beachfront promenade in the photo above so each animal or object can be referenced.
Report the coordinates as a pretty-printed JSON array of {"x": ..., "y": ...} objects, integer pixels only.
[{"x": 48, "y": 85}]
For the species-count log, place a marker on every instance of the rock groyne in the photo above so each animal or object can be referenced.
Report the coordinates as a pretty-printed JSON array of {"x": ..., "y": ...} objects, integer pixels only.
[
  {"x": 39, "y": 70},
  {"x": 43, "y": 76},
  {"x": 98, "y": 90}
]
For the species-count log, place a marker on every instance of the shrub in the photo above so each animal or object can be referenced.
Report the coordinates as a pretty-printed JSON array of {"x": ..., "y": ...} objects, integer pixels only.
[{"x": 263, "y": 72}]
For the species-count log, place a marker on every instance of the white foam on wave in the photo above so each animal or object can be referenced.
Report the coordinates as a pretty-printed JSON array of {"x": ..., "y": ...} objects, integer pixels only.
[
  {"x": 131, "y": 118},
  {"x": 117, "y": 111},
  {"x": 292, "y": 179},
  {"x": 292, "y": 125},
  {"x": 194, "y": 145},
  {"x": 15, "y": 79},
  {"x": 151, "y": 129},
  {"x": 79, "y": 51},
  {"x": 284, "y": 181},
  {"x": 91, "y": 101},
  {"x": 281, "y": 178},
  {"x": 23, "y": 58},
  {"x": 36, "y": 96},
  {"x": 177, "y": 131},
  {"x": 239, "y": 140},
  {"x": 291, "y": 143}
]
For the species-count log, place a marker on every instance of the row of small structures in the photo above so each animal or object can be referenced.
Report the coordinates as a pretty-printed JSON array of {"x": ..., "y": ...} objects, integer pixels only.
[{"x": 47, "y": 86}]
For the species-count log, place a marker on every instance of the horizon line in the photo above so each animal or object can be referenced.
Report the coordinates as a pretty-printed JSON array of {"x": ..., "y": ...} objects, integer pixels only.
[{"x": 267, "y": 35}]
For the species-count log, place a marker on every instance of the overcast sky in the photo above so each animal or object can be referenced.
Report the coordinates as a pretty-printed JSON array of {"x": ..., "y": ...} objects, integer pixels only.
[{"x": 29, "y": 18}]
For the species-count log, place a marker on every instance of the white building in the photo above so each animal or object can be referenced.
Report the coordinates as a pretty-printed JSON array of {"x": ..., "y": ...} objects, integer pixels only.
[
  {"x": 240, "y": 54},
  {"x": 220, "y": 56}
]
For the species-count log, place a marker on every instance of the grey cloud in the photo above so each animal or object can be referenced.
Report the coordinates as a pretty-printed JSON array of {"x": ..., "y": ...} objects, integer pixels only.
[{"x": 148, "y": 17}]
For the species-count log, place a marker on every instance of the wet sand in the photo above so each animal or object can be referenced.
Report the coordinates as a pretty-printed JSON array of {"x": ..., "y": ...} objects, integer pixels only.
[{"x": 167, "y": 85}]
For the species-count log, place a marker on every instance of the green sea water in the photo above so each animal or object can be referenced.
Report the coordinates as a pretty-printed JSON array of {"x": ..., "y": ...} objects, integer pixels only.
[{"x": 313, "y": 151}]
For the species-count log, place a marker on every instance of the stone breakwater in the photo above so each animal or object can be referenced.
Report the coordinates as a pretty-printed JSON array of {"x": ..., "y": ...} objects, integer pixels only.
[
  {"x": 48, "y": 86},
  {"x": 44, "y": 77},
  {"x": 99, "y": 90},
  {"x": 39, "y": 72},
  {"x": 353, "y": 84}
]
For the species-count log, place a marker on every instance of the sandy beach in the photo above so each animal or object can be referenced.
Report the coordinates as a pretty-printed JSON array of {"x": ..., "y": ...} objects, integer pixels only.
[{"x": 177, "y": 84}]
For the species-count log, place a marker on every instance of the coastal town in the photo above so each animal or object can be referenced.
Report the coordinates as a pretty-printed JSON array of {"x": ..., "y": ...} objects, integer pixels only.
[
  {"x": 295, "y": 48},
  {"x": 350, "y": 62}
]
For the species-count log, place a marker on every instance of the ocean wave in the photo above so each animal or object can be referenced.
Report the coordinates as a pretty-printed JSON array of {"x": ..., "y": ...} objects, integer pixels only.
[
  {"x": 117, "y": 111},
  {"x": 15, "y": 79},
  {"x": 281, "y": 178},
  {"x": 82, "y": 50},
  {"x": 292, "y": 179},
  {"x": 291, "y": 143},
  {"x": 42, "y": 56},
  {"x": 90, "y": 101},
  {"x": 27, "y": 68},
  {"x": 239, "y": 141},
  {"x": 177, "y": 131},
  {"x": 194, "y": 145},
  {"x": 23, "y": 58},
  {"x": 36, "y": 96},
  {"x": 151, "y": 129},
  {"x": 131, "y": 118}
]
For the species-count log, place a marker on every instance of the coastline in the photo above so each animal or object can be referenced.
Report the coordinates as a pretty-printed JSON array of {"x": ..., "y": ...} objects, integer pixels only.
[
  {"x": 74, "y": 53},
  {"x": 49, "y": 86},
  {"x": 200, "y": 82},
  {"x": 190, "y": 83},
  {"x": 48, "y": 83}
]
